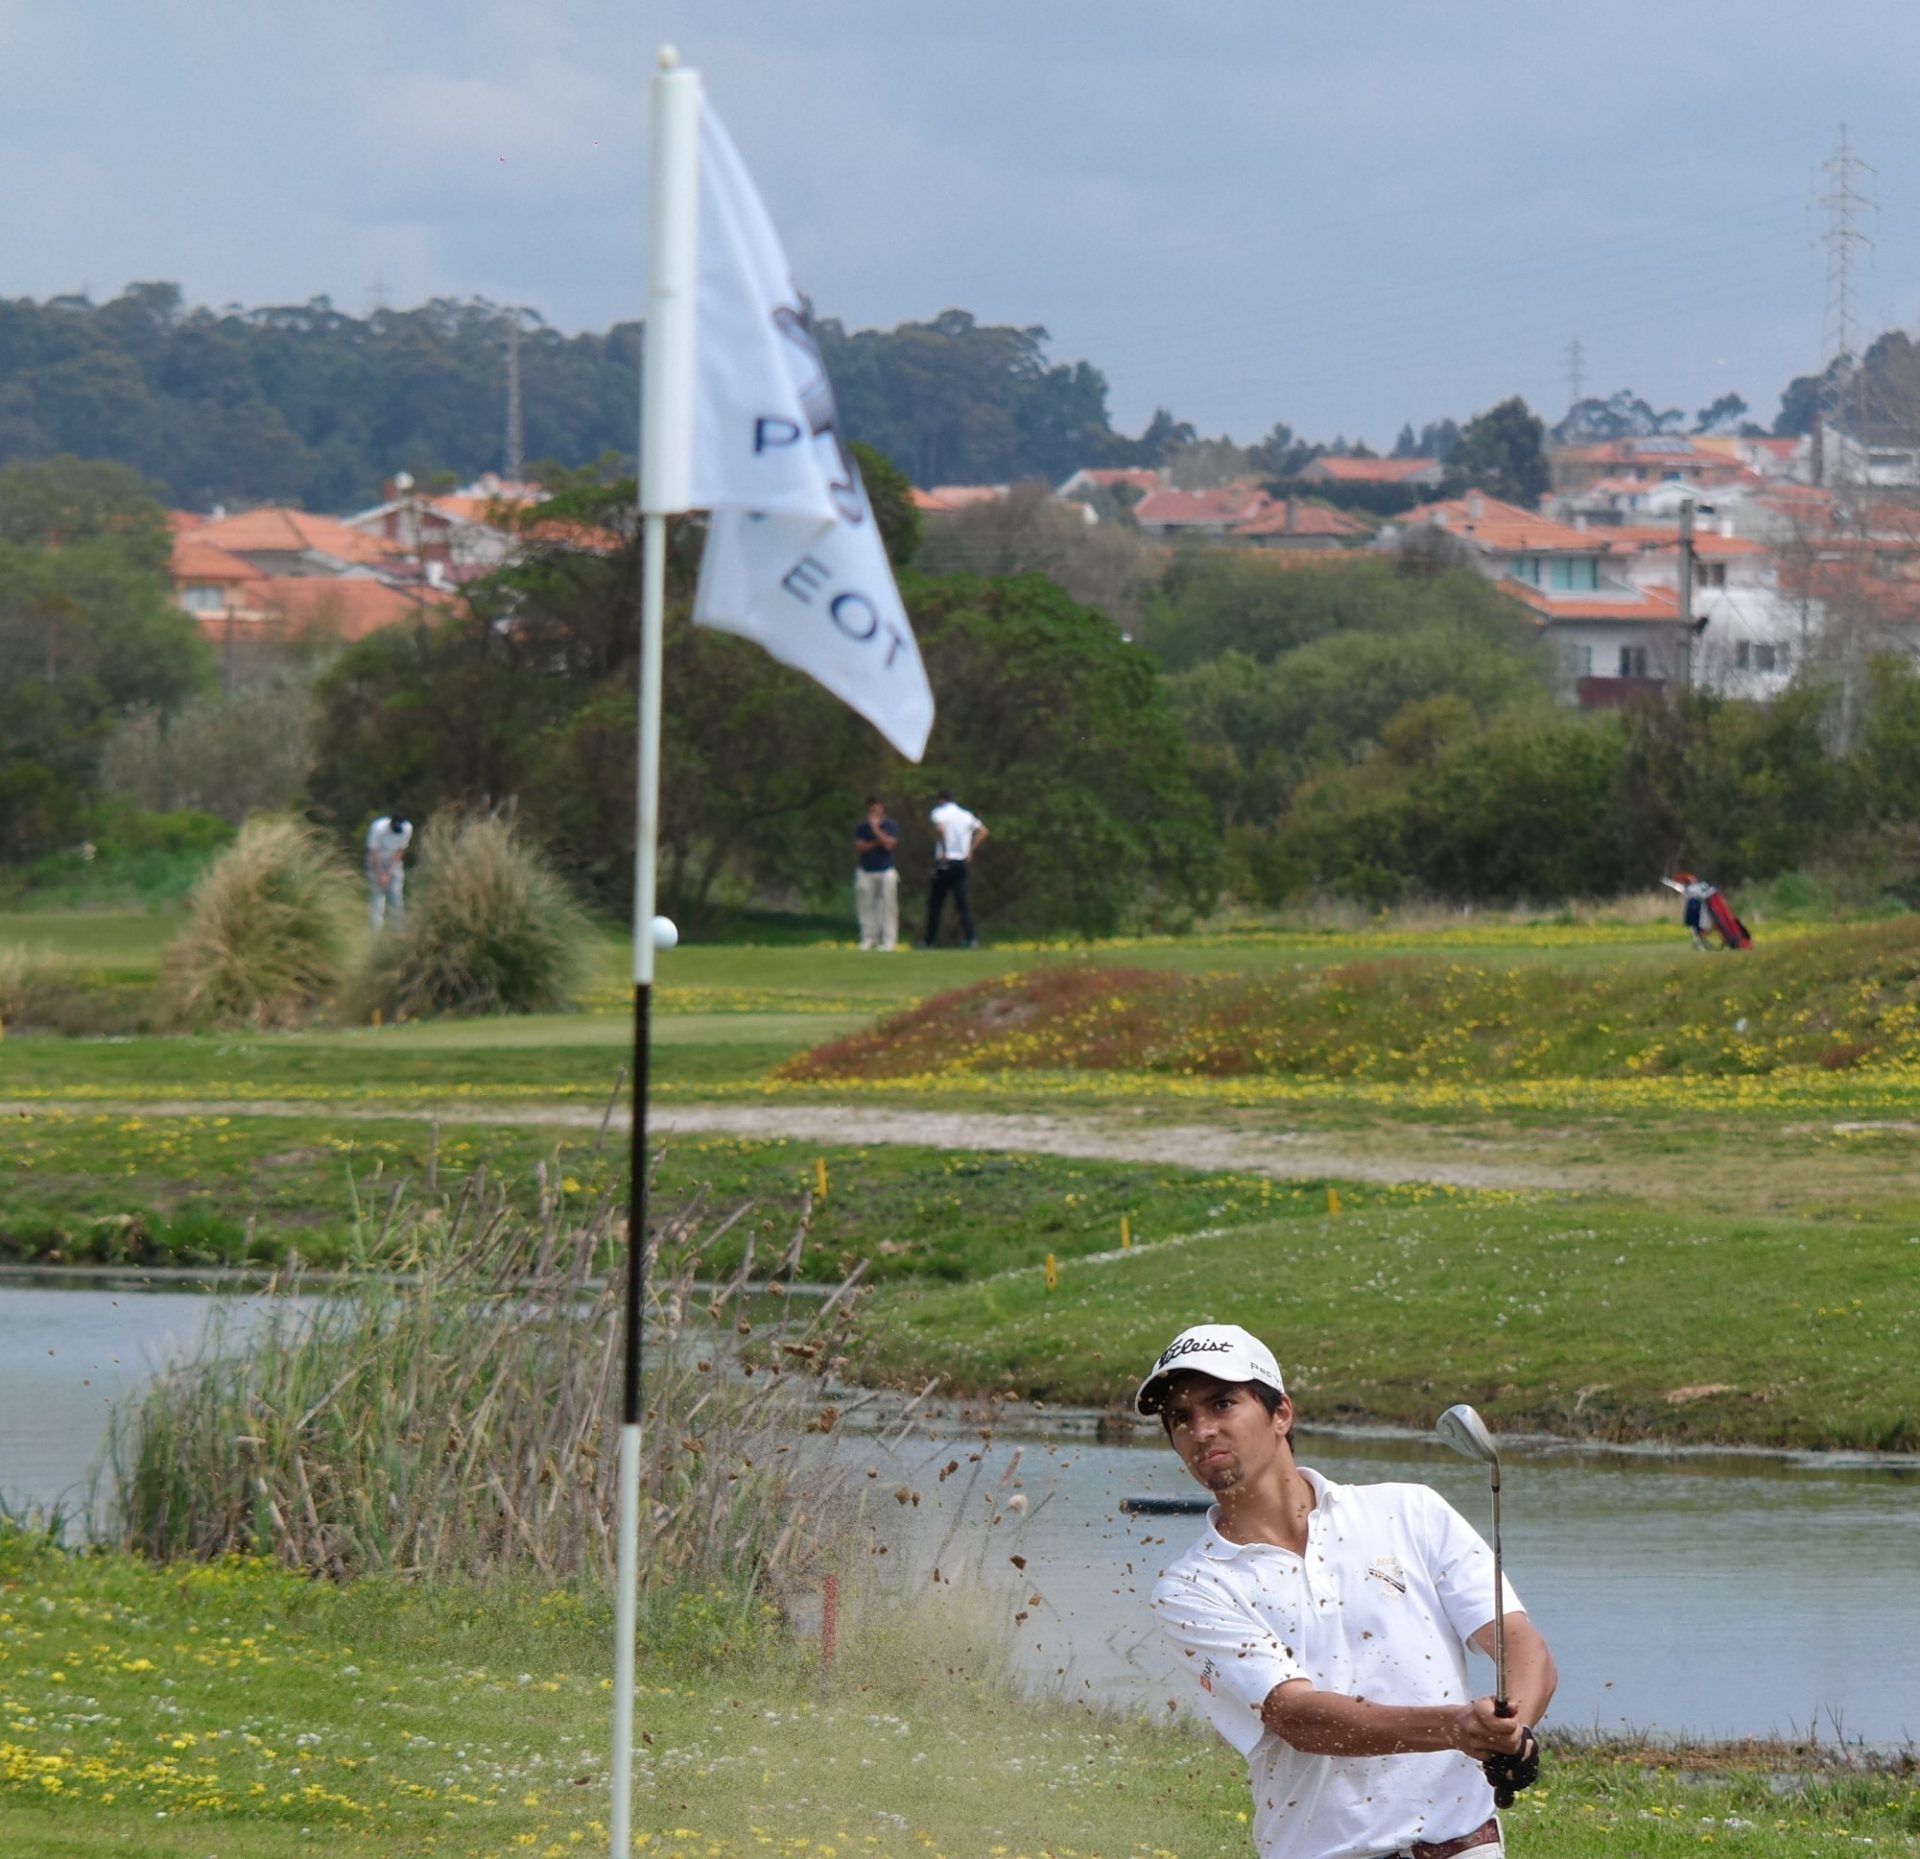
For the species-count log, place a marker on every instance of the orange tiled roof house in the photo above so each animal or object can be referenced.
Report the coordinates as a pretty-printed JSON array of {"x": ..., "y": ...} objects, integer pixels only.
[{"x": 1612, "y": 639}]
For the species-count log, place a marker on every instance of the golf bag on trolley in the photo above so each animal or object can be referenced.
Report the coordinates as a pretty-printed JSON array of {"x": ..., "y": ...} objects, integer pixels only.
[{"x": 1706, "y": 908}]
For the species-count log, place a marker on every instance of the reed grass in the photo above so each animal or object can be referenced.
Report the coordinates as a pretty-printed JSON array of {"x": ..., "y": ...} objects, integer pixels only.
[
  {"x": 264, "y": 932},
  {"x": 16, "y": 983},
  {"x": 493, "y": 930},
  {"x": 456, "y": 1414}
]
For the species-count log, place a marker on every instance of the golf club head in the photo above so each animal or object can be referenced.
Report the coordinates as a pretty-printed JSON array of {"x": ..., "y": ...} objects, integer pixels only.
[{"x": 1462, "y": 1428}]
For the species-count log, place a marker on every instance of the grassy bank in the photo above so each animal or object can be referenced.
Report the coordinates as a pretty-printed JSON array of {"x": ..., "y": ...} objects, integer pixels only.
[
  {"x": 1840, "y": 1001},
  {"x": 1782, "y": 1195},
  {"x": 229, "y": 1190},
  {"x": 1530, "y": 1025},
  {"x": 237, "y": 1710},
  {"x": 1566, "y": 1315},
  {"x": 111, "y": 962}
]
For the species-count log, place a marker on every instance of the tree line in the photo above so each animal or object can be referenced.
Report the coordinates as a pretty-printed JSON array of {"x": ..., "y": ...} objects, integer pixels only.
[{"x": 309, "y": 404}]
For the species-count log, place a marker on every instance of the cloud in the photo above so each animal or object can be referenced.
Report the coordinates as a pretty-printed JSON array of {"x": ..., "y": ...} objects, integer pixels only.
[{"x": 1339, "y": 217}]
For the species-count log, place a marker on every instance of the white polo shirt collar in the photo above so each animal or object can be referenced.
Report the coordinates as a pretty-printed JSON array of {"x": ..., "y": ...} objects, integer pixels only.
[{"x": 1326, "y": 1496}]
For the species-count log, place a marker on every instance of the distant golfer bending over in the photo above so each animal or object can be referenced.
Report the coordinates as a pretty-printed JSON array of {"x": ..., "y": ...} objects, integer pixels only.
[
  {"x": 387, "y": 841},
  {"x": 1326, "y": 1628}
]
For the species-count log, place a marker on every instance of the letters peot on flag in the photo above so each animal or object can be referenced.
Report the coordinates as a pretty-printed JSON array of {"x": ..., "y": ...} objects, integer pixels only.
[{"x": 794, "y": 559}]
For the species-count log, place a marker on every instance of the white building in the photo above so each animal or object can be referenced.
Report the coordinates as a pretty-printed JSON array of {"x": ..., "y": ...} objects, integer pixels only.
[
  {"x": 1613, "y": 638},
  {"x": 1754, "y": 636}
]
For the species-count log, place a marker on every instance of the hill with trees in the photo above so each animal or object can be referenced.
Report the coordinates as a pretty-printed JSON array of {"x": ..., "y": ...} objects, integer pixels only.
[{"x": 307, "y": 404}]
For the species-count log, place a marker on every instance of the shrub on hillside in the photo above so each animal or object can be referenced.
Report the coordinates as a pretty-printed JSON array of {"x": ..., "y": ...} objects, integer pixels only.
[
  {"x": 262, "y": 945},
  {"x": 493, "y": 930}
]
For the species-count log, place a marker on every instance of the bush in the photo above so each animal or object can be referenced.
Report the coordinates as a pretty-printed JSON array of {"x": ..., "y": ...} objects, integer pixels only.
[
  {"x": 494, "y": 930},
  {"x": 228, "y": 754},
  {"x": 263, "y": 938}
]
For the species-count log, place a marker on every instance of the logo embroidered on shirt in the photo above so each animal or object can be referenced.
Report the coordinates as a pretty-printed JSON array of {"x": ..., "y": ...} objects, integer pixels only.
[
  {"x": 1388, "y": 1570},
  {"x": 1207, "y": 1670}
]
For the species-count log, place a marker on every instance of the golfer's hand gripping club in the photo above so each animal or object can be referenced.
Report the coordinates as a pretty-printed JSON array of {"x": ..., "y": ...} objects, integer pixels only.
[{"x": 1507, "y": 1775}]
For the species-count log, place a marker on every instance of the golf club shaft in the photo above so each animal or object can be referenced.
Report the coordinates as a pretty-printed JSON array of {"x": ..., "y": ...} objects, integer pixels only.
[{"x": 1500, "y": 1703}]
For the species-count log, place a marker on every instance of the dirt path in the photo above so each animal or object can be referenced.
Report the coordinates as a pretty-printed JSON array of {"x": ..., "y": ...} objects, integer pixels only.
[{"x": 1280, "y": 1154}]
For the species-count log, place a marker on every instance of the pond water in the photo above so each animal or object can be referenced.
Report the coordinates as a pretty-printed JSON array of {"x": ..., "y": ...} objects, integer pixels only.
[
  {"x": 1704, "y": 1597},
  {"x": 68, "y": 1352},
  {"x": 1707, "y": 1597}
]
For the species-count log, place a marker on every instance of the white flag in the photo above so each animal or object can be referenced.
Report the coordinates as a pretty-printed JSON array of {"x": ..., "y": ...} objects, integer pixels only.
[{"x": 794, "y": 558}]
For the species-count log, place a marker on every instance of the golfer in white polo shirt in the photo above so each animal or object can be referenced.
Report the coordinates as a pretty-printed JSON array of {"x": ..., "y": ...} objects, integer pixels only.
[{"x": 1326, "y": 1628}]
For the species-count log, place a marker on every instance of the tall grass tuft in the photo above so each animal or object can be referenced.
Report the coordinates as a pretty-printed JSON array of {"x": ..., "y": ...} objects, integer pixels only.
[
  {"x": 18, "y": 977},
  {"x": 458, "y": 1415},
  {"x": 265, "y": 929},
  {"x": 493, "y": 930}
]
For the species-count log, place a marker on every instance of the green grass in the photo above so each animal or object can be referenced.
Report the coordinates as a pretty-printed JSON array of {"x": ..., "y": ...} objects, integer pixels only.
[
  {"x": 564, "y": 1059},
  {"x": 1554, "y": 1313},
  {"x": 112, "y": 945},
  {"x": 234, "y": 1709},
  {"x": 222, "y": 1189}
]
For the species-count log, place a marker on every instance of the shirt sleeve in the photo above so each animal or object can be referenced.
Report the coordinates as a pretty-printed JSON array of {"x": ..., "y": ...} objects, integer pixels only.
[
  {"x": 1224, "y": 1649},
  {"x": 1461, "y": 1566}
]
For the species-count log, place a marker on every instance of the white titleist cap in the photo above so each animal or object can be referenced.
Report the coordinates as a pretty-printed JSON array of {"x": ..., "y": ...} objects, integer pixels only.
[{"x": 1223, "y": 1350}]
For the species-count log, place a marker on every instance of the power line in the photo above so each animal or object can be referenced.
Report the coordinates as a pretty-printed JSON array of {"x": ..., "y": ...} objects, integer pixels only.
[
  {"x": 1846, "y": 204},
  {"x": 516, "y": 436},
  {"x": 1576, "y": 368}
]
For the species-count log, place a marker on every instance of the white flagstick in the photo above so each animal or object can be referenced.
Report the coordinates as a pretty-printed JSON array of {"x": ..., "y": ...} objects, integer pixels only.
[{"x": 666, "y": 461}]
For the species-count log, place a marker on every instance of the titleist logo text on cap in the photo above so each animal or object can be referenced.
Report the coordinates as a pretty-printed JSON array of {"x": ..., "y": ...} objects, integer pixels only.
[{"x": 1190, "y": 1345}]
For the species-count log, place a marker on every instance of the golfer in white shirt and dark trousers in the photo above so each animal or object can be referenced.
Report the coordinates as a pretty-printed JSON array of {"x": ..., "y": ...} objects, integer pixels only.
[
  {"x": 956, "y": 833},
  {"x": 1325, "y": 1629}
]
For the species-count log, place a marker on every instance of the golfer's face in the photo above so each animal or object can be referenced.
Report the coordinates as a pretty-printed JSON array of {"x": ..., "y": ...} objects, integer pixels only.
[{"x": 1223, "y": 1434}]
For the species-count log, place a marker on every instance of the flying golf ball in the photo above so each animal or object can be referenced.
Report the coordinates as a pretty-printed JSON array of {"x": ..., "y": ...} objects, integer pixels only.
[{"x": 665, "y": 933}]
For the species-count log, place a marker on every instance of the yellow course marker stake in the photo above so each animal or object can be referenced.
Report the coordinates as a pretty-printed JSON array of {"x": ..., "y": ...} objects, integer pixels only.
[
  {"x": 1126, "y": 1234},
  {"x": 378, "y": 1017},
  {"x": 1333, "y": 1200},
  {"x": 1053, "y": 1274},
  {"x": 820, "y": 1178}
]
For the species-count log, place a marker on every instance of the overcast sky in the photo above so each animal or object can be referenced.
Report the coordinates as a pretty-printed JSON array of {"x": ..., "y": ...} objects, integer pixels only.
[{"x": 1340, "y": 216}]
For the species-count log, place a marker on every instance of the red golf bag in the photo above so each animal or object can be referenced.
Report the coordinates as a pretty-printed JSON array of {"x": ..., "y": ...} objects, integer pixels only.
[{"x": 1733, "y": 933}]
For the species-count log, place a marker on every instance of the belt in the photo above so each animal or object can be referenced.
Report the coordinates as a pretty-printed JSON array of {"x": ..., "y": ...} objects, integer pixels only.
[{"x": 1486, "y": 1834}]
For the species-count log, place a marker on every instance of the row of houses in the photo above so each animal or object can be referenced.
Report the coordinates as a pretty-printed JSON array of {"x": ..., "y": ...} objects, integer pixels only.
[
  {"x": 275, "y": 574},
  {"x": 1598, "y": 567},
  {"x": 1772, "y": 557}
]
